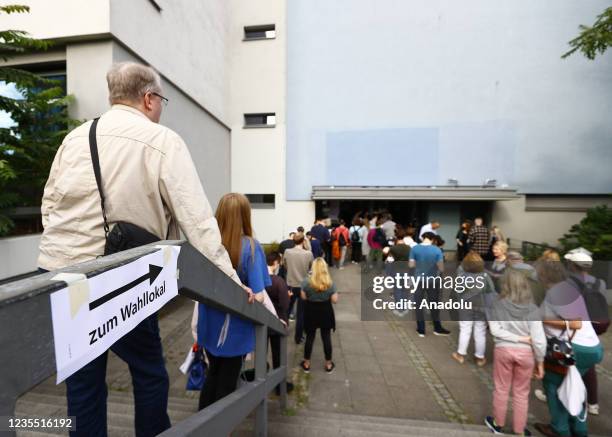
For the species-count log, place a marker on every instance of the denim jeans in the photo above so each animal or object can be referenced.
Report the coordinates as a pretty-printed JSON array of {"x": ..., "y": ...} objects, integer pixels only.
[
  {"x": 429, "y": 295},
  {"x": 560, "y": 420},
  {"x": 86, "y": 389},
  {"x": 299, "y": 312}
]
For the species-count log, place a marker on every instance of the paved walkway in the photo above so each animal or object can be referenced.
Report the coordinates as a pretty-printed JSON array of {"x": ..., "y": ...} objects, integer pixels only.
[
  {"x": 385, "y": 369},
  {"x": 384, "y": 373}
]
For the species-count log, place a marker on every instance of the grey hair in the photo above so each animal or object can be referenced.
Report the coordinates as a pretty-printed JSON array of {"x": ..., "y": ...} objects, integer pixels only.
[
  {"x": 515, "y": 287},
  {"x": 129, "y": 81}
]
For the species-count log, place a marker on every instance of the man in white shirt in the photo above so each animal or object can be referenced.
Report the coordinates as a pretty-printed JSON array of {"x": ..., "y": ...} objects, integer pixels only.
[{"x": 429, "y": 227}]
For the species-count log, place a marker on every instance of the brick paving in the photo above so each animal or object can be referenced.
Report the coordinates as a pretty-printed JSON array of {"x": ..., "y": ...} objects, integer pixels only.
[{"x": 385, "y": 369}]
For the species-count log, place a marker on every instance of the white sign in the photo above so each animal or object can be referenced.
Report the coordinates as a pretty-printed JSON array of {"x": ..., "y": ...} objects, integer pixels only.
[{"x": 90, "y": 315}]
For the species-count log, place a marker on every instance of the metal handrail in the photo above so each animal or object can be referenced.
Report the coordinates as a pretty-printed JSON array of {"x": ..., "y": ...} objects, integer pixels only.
[{"x": 27, "y": 348}]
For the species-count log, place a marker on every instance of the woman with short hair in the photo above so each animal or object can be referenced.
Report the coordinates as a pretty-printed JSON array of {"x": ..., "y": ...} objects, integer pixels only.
[{"x": 473, "y": 319}]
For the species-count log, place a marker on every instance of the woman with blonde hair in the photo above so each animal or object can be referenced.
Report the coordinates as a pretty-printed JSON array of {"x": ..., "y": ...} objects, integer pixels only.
[
  {"x": 318, "y": 293},
  {"x": 225, "y": 338}
]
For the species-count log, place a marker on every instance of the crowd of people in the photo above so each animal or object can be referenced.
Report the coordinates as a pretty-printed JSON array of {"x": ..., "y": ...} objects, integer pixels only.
[
  {"x": 80, "y": 202},
  {"x": 530, "y": 311},
  {"x": 123, "y": 180}
]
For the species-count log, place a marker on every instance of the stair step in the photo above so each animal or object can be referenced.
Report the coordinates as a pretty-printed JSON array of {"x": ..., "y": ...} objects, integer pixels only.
[
  {"x": 113, "y": 431},
  {"x": 174, "y": 393},
  {"x": 180, "y": 404},
  {"x": 309, "y": 414},
  {"x": 345, "y": 429}
]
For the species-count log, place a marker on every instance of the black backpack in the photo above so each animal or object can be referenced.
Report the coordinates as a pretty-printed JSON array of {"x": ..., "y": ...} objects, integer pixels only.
[
  {"x": 596, "y": 304},
  {"x": 341, "y": 239},
  {"x": 380, "y": 237},
  {"x": 355, "y": 235}
]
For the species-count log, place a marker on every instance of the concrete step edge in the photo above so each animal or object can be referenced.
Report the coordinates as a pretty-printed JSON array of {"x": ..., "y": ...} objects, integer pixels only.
[{"x": 382, "y": 419}]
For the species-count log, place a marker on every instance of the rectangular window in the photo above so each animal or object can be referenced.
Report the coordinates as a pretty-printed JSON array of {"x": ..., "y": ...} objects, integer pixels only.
[
  {"x": 265, "y": 31},
  {"x": 58, "y": 75},
  {"x": 261, "y": 201},
  {"x": 264, "y": 119}
]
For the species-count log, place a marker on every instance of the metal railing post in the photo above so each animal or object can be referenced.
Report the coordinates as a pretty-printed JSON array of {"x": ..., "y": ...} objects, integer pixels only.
[
  {"x": 261, "y": 355},
  {"x": 29, "y": 356},
  {"x": 283, "y": 363}
]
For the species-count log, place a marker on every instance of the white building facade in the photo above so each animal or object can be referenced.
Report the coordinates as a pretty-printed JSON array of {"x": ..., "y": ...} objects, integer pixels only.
[{"x": 287, "y": 101}]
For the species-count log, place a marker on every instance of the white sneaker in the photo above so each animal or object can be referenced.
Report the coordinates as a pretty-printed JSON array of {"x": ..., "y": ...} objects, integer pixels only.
[
  {"x": 399, "y": 313},
  {"x": 594, "y": 409},
  {"x": 540, "y": 395}
]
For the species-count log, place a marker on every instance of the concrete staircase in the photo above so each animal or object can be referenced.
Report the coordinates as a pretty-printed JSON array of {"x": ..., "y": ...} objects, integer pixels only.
[
  {"x": 308, "y": 423},
  {"x": 48, "y": 399},
  {"x": 304, "y": 423}
]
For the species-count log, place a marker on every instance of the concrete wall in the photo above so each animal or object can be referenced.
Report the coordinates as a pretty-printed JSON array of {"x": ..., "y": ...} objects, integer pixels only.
[
  {"x": 258, "y": 81},
  {"x": 208, "y": 140},
  {"x": 18, "y": 255},
  {"x": 535, "y": 226},
  {"x": 86, "y": 67},
  {"x": 60, "y": 18},
  {"x": 484, "y": 80},
  {"x": 187, "y": 42}
]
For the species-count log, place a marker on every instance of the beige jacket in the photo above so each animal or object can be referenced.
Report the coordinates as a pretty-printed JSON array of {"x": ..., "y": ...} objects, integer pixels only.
[{"x": 149, "y": 180}]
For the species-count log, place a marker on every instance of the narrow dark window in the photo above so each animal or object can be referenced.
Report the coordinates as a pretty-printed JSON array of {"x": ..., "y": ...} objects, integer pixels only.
[
  {"x": 263, "y": 119},
  {"x": 265, "y": 31},
  {"x": 261, "y": 201}
]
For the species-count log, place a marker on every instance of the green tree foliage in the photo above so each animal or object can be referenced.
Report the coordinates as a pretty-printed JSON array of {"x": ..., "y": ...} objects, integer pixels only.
[
  {"x": 594, "y": 40},
  {"x": 594, "y": 232},
  {"x": 40, "y": 118}
]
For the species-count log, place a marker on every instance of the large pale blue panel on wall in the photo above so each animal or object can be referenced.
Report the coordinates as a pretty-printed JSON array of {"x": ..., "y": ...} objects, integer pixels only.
[{"x": 382, "y": 157}]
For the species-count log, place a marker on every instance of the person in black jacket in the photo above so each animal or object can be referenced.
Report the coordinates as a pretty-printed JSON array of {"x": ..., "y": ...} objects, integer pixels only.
[
  {"x": 279, "y": 295},
  {"x": 321, "y": 233}
]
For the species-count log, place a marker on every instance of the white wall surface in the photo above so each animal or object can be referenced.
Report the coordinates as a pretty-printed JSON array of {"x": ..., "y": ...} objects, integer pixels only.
[
  {"x": 187, "y": 42},
  {"x": 208, "y": 141},
  {"x": 86, "y": 67},
  {"x": 60, "y": 18},
  {"x": 18, "y": 255},
  {"x": 258, "y": 84},
  {"x": 486, "y": 76}
]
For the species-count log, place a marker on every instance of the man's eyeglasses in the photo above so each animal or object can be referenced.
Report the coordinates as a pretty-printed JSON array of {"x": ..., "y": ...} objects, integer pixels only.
[{"x": 163, "y": 99}]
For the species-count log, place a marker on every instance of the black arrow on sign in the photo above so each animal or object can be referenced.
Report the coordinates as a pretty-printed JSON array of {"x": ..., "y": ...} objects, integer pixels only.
[{"x": 154, "y": 272}]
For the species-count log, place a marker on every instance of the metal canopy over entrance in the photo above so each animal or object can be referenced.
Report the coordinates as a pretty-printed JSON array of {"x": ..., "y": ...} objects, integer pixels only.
[{"x": 452, "y": 193}]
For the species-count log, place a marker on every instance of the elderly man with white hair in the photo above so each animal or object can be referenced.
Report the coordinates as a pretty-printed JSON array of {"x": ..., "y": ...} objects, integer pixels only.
[{"x": 149, "y": 180}]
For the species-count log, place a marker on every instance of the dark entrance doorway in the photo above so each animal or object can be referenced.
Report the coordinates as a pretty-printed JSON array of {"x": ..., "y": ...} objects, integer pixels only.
[{"x": 450, "y": 214}]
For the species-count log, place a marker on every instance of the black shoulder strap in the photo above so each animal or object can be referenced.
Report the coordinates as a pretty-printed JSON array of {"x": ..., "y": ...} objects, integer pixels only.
[
  {"x": 581, "y": 285},
  {"x": 93, "y": 147}
]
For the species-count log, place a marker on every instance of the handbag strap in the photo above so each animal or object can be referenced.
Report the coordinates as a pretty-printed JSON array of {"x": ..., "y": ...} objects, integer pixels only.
[
  {"x": 95, "y": 160},
  {"x": 567, "y": 329}
]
